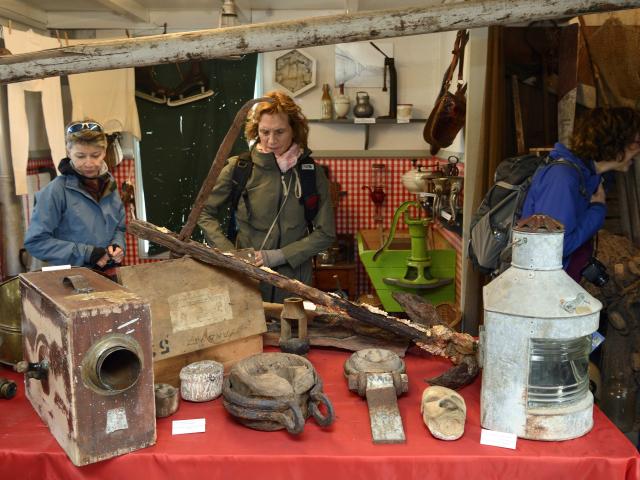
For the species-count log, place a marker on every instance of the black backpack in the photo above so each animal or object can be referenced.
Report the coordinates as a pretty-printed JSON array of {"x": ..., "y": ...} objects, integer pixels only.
[
  {"x": 239, "y": 178},
  {"x": 490, "y": 229}
]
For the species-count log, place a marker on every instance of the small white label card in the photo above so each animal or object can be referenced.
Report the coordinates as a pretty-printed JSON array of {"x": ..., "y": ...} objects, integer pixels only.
[
  {"x": 498, "y": 439},
  {"x": 403, "y": 120},
  {"x": 364, "y": 120},
  {"x": 56, "y": 267},
  {"x": 194, "y": 425}
]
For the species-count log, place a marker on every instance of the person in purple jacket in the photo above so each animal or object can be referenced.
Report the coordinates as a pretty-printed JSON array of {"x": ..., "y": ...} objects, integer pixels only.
[{"x": 604, "y": 140}]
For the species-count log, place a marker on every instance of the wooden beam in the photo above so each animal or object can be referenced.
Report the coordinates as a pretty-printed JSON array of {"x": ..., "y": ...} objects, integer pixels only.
[
  {"x": 437, "y": 340},
  {"x": 128, "y": 8},
  {"x": 22, "y": 13},
  {"x": 275, "y": 36}
]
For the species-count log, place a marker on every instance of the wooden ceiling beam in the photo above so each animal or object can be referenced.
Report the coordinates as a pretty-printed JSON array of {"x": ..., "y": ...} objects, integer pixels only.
[
  {"x": 20, "y": 12},
  {"x": 128, "y": 8},
  {"x": 264, "y": 37}
]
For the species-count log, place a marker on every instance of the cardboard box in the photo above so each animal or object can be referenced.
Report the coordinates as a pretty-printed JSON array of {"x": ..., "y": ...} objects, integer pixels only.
[{"x": 195, "y": 306}]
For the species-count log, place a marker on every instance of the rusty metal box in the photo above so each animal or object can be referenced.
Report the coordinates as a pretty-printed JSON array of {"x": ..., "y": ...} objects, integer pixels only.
[{"x": 91, "y": 341}]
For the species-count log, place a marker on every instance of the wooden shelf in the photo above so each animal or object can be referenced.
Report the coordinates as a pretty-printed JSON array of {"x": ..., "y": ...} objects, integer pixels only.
[{"x": 379, "y": 121}]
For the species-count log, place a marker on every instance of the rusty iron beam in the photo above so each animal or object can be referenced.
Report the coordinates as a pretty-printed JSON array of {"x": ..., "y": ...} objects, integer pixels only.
[{"x": 264, "y": 37}]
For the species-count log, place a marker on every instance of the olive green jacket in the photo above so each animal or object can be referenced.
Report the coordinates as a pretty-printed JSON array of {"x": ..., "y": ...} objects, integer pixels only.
[{"x": 257, "y": 209}]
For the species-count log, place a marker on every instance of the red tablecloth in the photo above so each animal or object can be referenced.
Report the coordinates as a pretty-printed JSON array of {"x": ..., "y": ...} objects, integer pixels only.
[{"x": 230, "y": 451}]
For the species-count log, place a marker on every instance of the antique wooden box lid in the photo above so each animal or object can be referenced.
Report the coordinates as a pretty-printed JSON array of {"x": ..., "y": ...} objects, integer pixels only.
[{"x": 53, "y": 286}]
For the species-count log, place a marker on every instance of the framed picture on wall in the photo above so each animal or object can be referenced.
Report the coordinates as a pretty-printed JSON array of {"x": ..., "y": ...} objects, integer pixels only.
[
  {"x": 360, "y": 65},
  {"x": 295, "y": 72}
]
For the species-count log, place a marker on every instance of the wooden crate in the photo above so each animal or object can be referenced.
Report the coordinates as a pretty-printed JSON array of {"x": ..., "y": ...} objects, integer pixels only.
[
  {"x": 198, "y": 312},
  {"x": 97, "y": 397},
  {"x": 168, "y": 370}
]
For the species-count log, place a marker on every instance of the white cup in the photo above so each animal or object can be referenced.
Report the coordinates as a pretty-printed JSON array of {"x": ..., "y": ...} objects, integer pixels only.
[{"x": 404, "y": 111}]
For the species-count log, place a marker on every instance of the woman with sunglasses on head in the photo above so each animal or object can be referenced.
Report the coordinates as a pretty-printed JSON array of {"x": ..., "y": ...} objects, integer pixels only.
[
  {"x": 79, "y": 218},
  {"x": 283, "y": 209},
  {"x": 605, "y": 140}
]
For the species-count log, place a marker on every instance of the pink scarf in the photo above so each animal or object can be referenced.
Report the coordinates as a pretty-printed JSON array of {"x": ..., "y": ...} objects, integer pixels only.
[{"x": 288, "y": 159}]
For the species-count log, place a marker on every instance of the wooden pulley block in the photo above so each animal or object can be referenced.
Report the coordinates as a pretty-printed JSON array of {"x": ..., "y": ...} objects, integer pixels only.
[
  {"x": 378, "y": 375},
  {"x": 272, "y": 391}
]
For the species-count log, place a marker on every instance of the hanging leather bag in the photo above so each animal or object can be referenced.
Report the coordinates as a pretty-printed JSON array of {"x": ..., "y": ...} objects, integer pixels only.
[{"x": 449, "y": 112}]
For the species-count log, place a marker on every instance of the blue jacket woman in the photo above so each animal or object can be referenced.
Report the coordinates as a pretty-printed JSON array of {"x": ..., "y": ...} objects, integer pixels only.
[
  {"x": 605, "y": 140},
  {"x": 79, "y": 218}
]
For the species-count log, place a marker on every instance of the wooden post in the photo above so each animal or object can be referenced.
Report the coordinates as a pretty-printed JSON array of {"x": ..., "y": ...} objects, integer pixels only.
[{"x": 265, "y": 37}]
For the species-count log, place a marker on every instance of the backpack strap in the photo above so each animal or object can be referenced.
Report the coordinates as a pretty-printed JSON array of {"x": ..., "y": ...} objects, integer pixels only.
[
  {"x": 509, "y": 186},
  {"x": 240, "y": 177},
  {"x": 562, "y": 161},
  {"x": 310, "y": 196},
  {"x": 306, "y": 170}
]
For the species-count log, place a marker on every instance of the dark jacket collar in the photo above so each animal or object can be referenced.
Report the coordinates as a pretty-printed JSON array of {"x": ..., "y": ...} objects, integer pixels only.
[{"x": 65, "y": 168}]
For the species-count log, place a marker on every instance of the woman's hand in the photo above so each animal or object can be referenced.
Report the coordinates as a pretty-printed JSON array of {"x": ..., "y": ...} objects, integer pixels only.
[
  {"x": 116, "y": 253},
  {"x": 103, "y": 261},
  {"x": 599, "y": 196},
  {"x": 270, "y": 258}
]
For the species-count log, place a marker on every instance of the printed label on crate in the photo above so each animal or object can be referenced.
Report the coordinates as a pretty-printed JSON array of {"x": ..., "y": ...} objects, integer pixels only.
[
  {"x": 116, "y": 420},
  {"x": 199, "y": 308}
]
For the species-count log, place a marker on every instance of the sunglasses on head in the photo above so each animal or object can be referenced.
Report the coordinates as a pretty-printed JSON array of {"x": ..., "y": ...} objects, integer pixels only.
[{"x": 82, "y": 126}]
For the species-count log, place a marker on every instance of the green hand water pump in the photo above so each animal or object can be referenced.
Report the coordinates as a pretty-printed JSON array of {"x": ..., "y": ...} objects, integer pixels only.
[{"x": 417, "y": 275}]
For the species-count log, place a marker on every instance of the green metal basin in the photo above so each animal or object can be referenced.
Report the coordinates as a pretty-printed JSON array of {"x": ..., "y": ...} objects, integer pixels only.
[{"x": 393, "y": 263}]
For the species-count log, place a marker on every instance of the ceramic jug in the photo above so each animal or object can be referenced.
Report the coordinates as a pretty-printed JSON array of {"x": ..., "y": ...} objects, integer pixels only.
[{"x": 341, "y": 103}]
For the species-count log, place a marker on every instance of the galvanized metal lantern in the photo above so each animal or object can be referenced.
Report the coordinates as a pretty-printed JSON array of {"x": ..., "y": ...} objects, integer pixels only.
[{"x": 536, "y": 341}]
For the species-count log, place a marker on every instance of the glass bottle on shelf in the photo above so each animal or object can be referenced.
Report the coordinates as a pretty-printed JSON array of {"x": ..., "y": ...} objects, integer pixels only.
[
  {"x": 327, "y": 104},
  {"x": 618, "y": 401}
]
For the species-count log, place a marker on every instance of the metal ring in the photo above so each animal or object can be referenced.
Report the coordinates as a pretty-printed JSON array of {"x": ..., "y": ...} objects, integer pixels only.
[{"x": 323, "y": 420}]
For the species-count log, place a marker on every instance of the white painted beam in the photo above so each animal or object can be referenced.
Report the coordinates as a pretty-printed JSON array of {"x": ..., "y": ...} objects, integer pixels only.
[
  {"x": 307, "y": 32},
  {"x": 20, "y": 12},
  {"x": 128, "y": 8}
]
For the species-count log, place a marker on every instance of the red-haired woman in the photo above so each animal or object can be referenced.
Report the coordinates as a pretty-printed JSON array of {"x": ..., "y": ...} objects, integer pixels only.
[{"x": 284, "y": 212}]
